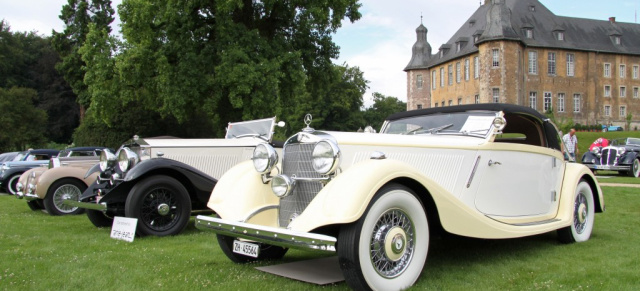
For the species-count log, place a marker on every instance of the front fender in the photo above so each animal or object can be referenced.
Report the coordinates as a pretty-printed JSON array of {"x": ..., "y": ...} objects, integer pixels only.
[
  {"x": 345, "y": 198},
  {"x": 240, "y": 193},
  {"x": 50, "y": 176}
]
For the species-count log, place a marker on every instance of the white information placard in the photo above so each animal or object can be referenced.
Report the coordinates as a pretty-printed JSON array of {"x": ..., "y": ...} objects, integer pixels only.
[{"x": 124, "y": 228}]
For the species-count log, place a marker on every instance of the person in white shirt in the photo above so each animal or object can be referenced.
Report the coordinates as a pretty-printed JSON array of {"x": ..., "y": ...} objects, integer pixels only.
[{"x": 571, "y": 142}]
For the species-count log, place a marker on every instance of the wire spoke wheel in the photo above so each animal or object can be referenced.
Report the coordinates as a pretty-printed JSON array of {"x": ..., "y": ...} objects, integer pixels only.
[
  {"x": 161, "y": 204},
  {"x": 392, "y": 243},
  {"x": 159, "y": 209},
  {"x": 61, "y": 190},
  {"x": 583, "y": 216},
  {"x": 67, "y": 191}
]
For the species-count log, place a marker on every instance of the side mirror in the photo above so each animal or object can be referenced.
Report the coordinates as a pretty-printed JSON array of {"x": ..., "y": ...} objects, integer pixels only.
[{"x": 281, "y": 123}]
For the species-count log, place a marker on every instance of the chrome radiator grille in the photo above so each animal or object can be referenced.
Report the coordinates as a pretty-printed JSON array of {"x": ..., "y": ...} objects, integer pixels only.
[
  {"x": 297, "y": 161},
  {"x": 608, "y": 156}
]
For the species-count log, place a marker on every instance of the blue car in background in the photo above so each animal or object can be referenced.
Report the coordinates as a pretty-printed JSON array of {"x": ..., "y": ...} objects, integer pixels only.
[{"x": 611, "y": 128}]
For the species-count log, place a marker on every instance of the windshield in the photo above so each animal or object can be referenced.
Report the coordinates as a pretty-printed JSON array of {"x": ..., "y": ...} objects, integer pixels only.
[
  {"x": 460, "y": 123},
  {"x": 261, "y": 128}
]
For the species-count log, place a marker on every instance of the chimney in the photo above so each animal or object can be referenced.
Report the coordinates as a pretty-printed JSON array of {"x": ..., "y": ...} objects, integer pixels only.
[{"x": 612, "y": 19}]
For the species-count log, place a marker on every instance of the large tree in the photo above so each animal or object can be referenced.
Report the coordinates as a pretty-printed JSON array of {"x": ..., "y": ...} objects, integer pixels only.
[
  {"x": 382, "y": 107},
  {"x": 22, "y": 123},
  {"x": 228, "y": 60},
  {"x": 77, "y": 15},
  {"x": 27, "y": 60}
]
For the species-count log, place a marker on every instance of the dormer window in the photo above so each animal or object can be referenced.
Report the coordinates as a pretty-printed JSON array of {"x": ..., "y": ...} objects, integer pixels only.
[
  {"x": 616, "y": 39},
  {"x": 472, "y": 23},
  {"x": 528, "y": 32},
  {"x": 560, "y": 35},
  {"x": 532, "y": 8},
  {"x": 441, "y": 53},
  {"x": 458, "y": 46}
]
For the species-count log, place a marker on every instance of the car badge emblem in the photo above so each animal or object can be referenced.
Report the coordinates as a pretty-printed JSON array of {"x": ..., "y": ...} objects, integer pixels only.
[{"x": 307, "y": 121}]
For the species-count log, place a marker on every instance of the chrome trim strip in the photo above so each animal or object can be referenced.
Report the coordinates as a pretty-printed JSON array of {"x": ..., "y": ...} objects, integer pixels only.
[
  {"x": 266, "y": 234},
  {"x": 473, "y": 172},
  {"x": 92, "y": 206},
  {"x": 265, "y": 208}
]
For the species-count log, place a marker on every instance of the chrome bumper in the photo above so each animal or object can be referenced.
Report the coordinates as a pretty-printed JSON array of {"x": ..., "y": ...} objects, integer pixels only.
[
  {"x": 26, "y": 196},
  {"x": 92, "y": 206},
  {"x": 607, "y": 168},
  {"x": 266, "y": 234}
]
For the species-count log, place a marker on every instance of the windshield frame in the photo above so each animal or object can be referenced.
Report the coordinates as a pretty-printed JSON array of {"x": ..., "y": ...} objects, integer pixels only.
[
  {"x": 480, "y": 125},
  {"x": 251, "y": 128}
]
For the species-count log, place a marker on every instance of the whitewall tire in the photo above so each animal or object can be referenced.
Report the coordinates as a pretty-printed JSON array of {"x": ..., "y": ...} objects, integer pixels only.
[
  {"x": 386, "y": 249},
  {"x": 582, "y": 217}
]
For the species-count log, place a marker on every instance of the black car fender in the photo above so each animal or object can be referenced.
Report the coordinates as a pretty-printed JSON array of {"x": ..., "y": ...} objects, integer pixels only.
[
  {"x": 628, "y": 158},
  {"x": 198, "y": 184}
]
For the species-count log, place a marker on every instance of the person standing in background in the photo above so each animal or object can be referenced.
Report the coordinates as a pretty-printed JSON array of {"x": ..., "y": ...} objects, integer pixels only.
[{"x": 571, "y": 142}]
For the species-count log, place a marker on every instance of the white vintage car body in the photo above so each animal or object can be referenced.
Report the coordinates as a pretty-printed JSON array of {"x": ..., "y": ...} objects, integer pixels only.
[{"x": 468, "y": 176}]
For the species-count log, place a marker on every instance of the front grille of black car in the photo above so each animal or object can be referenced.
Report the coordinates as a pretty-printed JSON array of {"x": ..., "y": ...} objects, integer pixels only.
[
  {"x": 608, "y": 156},
  {"x": 297, "y": 162}
]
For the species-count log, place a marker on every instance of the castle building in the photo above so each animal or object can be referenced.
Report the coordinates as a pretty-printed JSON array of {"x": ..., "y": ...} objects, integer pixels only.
[{"x": 519, "y": 52}]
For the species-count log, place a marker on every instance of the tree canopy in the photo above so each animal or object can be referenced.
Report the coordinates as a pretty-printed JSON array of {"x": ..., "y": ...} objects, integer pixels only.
[
  {"x": 22, "y": 124},
  {"x": 224, "y": 61},
  {"x": 27, "y": 60}
]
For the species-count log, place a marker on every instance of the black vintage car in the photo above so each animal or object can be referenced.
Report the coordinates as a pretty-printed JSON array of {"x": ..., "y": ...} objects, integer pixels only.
[
  {"x": 622, "y": 155},
  {"x": 162, "y": 181}
]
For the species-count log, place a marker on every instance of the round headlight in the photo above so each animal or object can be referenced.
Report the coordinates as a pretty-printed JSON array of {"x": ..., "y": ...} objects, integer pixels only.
[
  {"x": 282, "y": 185},
  {"x": 264, "y": 158},
  {"x": 126, "y": 159},
  {"x": 107, "y": 160},
  {"x": 621, "y": 151},
  {"x": 326, "y": 157}
]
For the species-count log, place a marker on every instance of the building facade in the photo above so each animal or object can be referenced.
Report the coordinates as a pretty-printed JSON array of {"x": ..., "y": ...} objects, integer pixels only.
[{"x": 519, "y": 52}]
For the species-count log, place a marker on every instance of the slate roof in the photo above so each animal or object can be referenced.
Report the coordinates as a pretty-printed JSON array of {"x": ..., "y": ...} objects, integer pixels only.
[{"x": 507, "y": 20}]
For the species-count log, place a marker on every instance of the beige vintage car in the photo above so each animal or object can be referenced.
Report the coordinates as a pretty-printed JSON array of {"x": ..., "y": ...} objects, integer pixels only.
[
  {"x": 489, "y": 171},
  {"x": 64, "y": 178}
]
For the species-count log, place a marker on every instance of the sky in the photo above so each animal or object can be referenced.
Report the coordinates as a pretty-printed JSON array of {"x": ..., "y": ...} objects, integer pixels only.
[{"x": 379, "y": 43}]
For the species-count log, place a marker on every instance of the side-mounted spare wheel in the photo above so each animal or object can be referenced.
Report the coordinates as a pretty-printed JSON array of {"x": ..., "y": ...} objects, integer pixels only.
[
  {"x": 61, "y": 190},
  {"x": 161, "y": 204},
  {"x": 583, "y": 216},
  {"x": 386, "y": 249}
]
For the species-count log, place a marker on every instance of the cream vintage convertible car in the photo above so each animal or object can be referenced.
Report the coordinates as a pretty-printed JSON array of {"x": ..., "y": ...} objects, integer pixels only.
[{"x": 490, "y": 171}]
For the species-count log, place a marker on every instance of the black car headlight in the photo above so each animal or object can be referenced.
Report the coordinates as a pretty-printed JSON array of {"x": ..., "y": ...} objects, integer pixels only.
[
  {"x": 107, "y": 160},
  {"x": 264, "y": 158},
  {"x": 127, "y": 159},
  {"x": 326, "y": 157}
]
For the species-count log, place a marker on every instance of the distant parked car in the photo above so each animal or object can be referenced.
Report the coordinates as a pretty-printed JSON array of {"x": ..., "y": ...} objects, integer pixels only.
[
  {"x": 64, "y": 179},
  {"x": 10, "y": 171},
  {"x": 161, "y": 181},
  {"x": 611, "y": 128},
  {"x": 489, "y": 171},
  {"x": 5, "y": 157},
  {"x": 622, "y": 155}
]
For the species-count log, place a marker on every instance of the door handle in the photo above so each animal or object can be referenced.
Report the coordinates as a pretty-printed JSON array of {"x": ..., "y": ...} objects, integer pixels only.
[{"x": 491, "y": 163}]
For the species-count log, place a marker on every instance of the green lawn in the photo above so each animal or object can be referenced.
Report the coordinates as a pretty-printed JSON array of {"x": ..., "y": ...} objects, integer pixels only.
[{"x": 42, "y": 252}]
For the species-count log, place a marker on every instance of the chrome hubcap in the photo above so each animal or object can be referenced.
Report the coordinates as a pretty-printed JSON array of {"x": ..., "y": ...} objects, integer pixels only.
[
  {"x": 581, "y": 217},
  {"x": 395, "y": 243},
  {"x": 392, "y": 243},
  {"x": 163, "y": 209}
]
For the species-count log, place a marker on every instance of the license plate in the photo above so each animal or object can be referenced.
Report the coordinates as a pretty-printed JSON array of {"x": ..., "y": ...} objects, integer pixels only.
[
  {"x": 602, "y": 167},
  {"x": 245, "y": 248}
]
